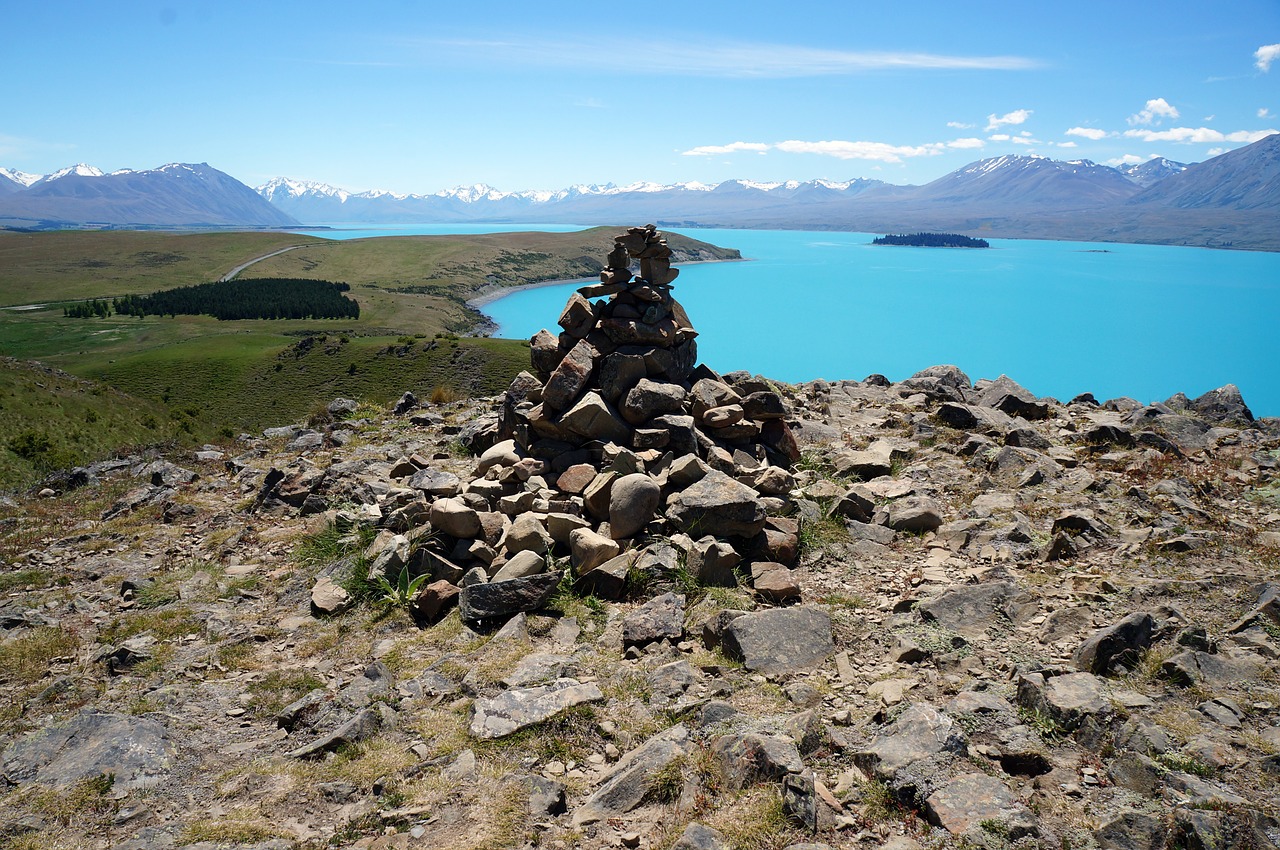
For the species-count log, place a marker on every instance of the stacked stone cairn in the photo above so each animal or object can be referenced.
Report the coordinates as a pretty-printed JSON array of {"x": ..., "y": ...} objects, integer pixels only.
[{"x": 616, "y": 458}]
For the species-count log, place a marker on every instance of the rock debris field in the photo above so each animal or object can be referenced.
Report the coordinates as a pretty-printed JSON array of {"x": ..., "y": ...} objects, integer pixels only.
[{"x": 636, "y": 603}]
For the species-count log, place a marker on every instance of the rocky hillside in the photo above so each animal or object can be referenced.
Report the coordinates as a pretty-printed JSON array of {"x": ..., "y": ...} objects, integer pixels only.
[{"x": 658, "y": 607}]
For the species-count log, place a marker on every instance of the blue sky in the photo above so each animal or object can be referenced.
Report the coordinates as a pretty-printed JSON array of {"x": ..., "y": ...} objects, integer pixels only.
[{"x": 417, "y": 97}]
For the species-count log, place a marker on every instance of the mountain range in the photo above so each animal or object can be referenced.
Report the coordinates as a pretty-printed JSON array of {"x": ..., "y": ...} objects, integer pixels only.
[
  {"x": 178, "y": 194},
  {"x": 1228, "y": 201}
]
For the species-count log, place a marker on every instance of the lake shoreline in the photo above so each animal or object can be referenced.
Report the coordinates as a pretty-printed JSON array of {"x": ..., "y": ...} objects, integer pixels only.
[{"x": 493, "y": 292}]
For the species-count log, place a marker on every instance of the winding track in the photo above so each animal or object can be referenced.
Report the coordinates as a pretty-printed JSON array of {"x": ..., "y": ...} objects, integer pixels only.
[{"x": 232, "y": 274}]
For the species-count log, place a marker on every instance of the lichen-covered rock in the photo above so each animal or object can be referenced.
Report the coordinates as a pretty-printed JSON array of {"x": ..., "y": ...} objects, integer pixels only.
[
  {"x": 780, "y": 640},
  {"x": 518, "y": 708}
]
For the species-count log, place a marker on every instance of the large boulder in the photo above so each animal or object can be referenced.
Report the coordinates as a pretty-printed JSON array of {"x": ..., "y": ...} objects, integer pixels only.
[
  {"x": 780, "y": 640},
  {"x": 631, "y": 781},
  {"x": 1006, "y": 395},
  {"x": 491, "y": 600},
  {"x": 136, "y": 751},
  {"x": 1116, "y": 646},
  {"x": 633, "y": 499},
  {"x": 718, "y": 505}
]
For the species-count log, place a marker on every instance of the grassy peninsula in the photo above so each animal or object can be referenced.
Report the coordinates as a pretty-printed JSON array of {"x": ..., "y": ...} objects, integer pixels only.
[{"x": 191, "y": 377}]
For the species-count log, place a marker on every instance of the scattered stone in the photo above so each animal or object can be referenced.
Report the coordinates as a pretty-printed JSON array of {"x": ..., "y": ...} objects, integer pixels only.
[
  {"x": 519, "y": 708},
  {"x": 780, "y": 640}
]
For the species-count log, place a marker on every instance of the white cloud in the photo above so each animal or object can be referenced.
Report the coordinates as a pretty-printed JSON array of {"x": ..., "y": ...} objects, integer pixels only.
[
  {"x": 1198, "y": 135},
  {"x": 1017, "y": 116},
  {"x": 1067, "y": 145},
  {"x": 959, "y": 125},
  {"x": 1127, "y": 159},
  {"x": 1215, "y": 151},
  {"x": 1025, "y": 139},
  {"x": 702, "y": 58},
  {"x": 1264, "y": 112},
  {"x": 998, "y": 137},
  {"x": 1092, "y": 133},
  {"x": 840, "y": 149},
  {"x": 1265, "y": 55},
  {"x": 878, "y": 151},
  {"x": 732, "y": 147},
  {"x": 1156, "y": 110}
]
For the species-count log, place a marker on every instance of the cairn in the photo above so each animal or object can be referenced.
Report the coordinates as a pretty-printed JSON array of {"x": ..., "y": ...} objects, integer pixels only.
[{"x": 619, "y": 453}]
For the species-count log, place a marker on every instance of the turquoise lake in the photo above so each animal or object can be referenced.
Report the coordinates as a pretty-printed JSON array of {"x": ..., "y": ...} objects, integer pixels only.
[{"x": 1060, "y": 318}]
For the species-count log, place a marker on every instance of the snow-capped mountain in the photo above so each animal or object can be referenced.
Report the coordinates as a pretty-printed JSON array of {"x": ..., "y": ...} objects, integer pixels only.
[
  {"x": 1034, "y": 181},
  {"x": 177, "y": 194},
  {"x": 12, "y": 180},
  {"x": 319, "y": 202},
  {"x": 79, "y": 170},
  {"x": 1152, "y": 171},
  {"x": 1246, "y": 178}
]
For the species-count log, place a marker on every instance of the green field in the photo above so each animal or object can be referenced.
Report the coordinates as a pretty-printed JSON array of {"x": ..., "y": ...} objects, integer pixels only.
[
  {"x": 75, "y": 264},
  {"x": 197, "y": 378}
]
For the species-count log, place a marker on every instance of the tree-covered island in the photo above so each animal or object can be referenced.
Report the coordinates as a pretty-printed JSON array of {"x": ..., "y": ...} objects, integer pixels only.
[{"x": 931, "y": 240}]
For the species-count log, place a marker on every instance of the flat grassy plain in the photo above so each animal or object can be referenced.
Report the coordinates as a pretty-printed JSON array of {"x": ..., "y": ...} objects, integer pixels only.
[
  {"x": 77, "y": 264},
  {"x": 197, "y": 378}
]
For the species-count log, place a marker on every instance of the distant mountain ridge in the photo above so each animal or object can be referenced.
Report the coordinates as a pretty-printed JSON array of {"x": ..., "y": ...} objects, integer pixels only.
[
  {"x": 174, "y": 195},
  {"x": 1227, "y": 201}
]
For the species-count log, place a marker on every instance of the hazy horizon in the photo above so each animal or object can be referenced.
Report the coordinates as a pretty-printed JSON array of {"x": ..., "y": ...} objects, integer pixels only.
[{"x": 412, "y": 100}]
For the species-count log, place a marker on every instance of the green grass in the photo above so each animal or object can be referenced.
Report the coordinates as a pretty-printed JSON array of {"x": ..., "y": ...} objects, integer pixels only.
[
  {"x": 77, "y": 264},
  {"x": 193, "y": 377},
  {"x": 51, "y": 420}
]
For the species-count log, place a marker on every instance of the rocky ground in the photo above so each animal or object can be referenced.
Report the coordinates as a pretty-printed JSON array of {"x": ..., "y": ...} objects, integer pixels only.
[
  {"x": 930, "y": 613},
  {"x": 1081, "y": 653}
]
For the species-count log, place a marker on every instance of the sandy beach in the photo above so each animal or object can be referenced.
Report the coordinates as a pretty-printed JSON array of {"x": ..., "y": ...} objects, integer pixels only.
[{"x": 492, "y": 293}]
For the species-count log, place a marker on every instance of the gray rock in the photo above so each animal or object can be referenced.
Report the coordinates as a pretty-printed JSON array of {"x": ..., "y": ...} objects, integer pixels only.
[
  {"x": 1116, "y": 646},
  {"x": 593, "y": 419},
  {"x": 454, "y": 517},
  {"x": 699, "y": 837},
  {"x": 633, "y": 499},
  {"x": 920, "y": 733},
  {"x": 137, "y": 751},
  {"x": 711, "y": 562},
  {"x": 608, "y": 580},
  {"x": 630, "y": 782},
  {"x": 519, "y": 708},
  {"x": 570, "y": 376},
  {"x": 800, "y": 800},
  {"x": 972, "y": 609},
  {"x": 490, "y": 600},
  {"x": 661, "y": 618},
  {"x": 1071, "y": 700},
  {"x": 1225, "y": 405},
  {"x": 751, "y": 758},
  {"x": 528, "y": 534},
  {"x": 973, "y": 418},
  {"x": 1194, "y": 667},
  {"x": 718, "y": 505},
  {"x": 327, "y": 597},
  {"x": 521, "y": 565},
  {"x": 539, "y": 668},
  {"x": 648, "y": 399},
  {"x": 363, "y": 725},
  {"x": 1005, "y": 395},
  {"x": 968, "y": 802},
  {"x": 915, "y": 514},
  {"x": 780, "y": 640}
]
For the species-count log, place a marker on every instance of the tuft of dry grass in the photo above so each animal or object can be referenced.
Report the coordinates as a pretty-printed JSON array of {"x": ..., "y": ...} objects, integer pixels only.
[{"x": 27, "y": 658}]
